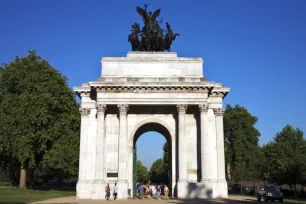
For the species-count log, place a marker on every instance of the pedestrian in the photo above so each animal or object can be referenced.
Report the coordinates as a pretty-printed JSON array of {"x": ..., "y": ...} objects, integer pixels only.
[
  {"x": 141, "y": 191},
  {"x": 115, "y": 191},
  {"x": 107, "y": 191},
  {"x": 158, "y": 191},
  {"x": 153, "y": 190},
  {"x": 166, "y": 192}
]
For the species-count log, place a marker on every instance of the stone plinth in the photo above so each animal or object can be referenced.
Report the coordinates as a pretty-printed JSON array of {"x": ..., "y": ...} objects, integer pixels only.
[{"x": 148, "y": 64}]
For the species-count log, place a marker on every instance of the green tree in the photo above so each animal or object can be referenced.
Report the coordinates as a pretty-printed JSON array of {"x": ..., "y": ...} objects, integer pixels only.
[
  {"x": 38, "y": 116},
  {"x": 241, "y": 143},
  {"x": 158, "y": 173},
  {"x": 141, "y": 173},
  {"x": 166, "y": 155},
  {"x": 286, "y": 156}
]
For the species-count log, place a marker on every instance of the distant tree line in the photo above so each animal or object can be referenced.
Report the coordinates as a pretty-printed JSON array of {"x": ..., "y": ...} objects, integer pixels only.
[
  {"x": 159, "y": 171},
  {"x": 281, "y": 161}
]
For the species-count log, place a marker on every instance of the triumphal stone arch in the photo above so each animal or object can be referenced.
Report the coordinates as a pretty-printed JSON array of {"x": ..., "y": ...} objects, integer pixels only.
[{"x": 152, "y": 91}]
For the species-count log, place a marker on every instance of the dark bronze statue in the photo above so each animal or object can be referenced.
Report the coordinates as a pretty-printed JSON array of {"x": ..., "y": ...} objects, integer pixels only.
[
  {"x": 133, "y": 37},
  {"x": 152, "y": 37},
  {"x": 170, "y": 36}
]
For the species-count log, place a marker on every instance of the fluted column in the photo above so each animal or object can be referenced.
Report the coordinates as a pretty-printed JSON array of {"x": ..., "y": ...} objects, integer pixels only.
[
  {"x": 181, "y": 108},
  {"x": 220, "y": 144},
  {"x": 122, "y": 172},
  {"x": 205, "y": 146},
  {"x": 101, "y": 108},
  {"x": 83, "y": 144}
]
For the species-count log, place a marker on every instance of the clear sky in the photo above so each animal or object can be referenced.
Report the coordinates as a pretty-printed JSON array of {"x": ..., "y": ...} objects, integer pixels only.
[{"x": 256, "y": 47}]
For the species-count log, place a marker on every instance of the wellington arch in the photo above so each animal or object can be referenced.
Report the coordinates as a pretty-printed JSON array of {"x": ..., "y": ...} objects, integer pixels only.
[{"x": 152, "y": 91}]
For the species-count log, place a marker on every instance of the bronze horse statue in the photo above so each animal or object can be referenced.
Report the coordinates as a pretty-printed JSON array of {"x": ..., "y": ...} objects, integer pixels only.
[
  {"x": 170, "y": 36},
  {"x": 133, "y": 37}
]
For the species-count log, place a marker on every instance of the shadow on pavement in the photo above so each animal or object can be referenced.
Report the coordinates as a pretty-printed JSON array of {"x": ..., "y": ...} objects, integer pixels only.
[{"x": 218, "y": 201}]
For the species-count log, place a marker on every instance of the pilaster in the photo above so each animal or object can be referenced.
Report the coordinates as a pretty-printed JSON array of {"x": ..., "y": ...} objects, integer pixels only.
[
  {"x": 99, "y": 183},
  {"x": 205, "y": 174},
  {"x": 123, "y": 151},
  {"x": 220, "y": 143}
]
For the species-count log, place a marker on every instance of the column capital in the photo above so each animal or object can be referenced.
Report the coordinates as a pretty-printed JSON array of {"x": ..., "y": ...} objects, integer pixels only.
[
  {"x": 218, "y": 111},
  {"x": 84, "y": 111},
  {"x": 123, "y": 108},
  {"x": 203, "y": 107},
  {"x": 101, "y": 108},
  {"x": 181, "y": 108}
]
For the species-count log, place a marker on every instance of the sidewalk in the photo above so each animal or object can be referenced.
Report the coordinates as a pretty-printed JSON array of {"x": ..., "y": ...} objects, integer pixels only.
[{"x": 73, "y": 200}]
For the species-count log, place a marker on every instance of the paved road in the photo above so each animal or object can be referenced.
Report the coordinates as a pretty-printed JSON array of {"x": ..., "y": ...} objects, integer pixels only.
[{"x": 231, "y": 200}]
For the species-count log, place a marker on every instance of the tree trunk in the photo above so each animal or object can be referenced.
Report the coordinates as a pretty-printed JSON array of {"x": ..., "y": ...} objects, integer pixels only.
[
  {"x": 294, "y": 191},
  {"x": 23, "y": 177},
  {"x": 228, "y": 172}
]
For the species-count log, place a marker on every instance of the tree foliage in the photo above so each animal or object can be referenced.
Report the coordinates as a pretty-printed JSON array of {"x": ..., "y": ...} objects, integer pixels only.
[
  {"x": 38, "y": 115},
  {"x": 141, "y": 173},
  {"x": 158, "y": 173},
  {"x": 241, "y": 143},
  {"x": 166, "y": 155},
  {"x": 286, "y": 156}
]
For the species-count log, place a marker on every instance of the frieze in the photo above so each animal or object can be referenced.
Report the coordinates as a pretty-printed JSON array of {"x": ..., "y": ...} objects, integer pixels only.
[
  {"x": 217, "y": 94},
  {"x": 152, "y": 89}
]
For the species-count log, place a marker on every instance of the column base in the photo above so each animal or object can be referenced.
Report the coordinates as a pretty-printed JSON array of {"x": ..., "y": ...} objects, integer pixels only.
[
  {"x": 98, "y": 190},
  {"x": 202, "y": 190},
  {"x": 84, "y": 190},
  {"x": 123, "y": 187},
  {"x": 218, "y": 188}
]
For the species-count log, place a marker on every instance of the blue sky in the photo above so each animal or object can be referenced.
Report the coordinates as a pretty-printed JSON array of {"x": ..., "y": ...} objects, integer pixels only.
[{"x": 256, "y": 47}]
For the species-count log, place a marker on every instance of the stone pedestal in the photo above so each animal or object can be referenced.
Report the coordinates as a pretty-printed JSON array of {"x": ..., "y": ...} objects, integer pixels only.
[{"x": 150, "y": 91}]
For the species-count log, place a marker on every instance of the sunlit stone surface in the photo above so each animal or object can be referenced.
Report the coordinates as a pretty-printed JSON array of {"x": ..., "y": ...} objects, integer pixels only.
[{"x": 148, "y": 91}]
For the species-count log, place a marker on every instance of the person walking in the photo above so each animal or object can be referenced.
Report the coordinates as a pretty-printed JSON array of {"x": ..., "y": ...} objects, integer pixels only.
[
  {"x": 107, "y": 191},
  {"x": 158, "y": 191},
  {"x": 166, "y": 192},
  {"x": 115, "y": 191},
  {"x": 141, "y": 191},
  {"x": 153, "y": 190}
]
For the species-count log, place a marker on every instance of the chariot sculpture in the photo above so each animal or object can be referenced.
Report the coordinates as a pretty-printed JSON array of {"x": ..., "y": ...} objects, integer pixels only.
[{"x": 152, "y": 35}]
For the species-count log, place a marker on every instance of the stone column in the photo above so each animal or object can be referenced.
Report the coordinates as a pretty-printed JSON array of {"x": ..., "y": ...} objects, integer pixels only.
[
  {"x": 205, "y": 146},
  {"x": 220, "y": 144},
  {"x": 83, "y": 144},
  {"x": 99, "y": 182},
  {"x": 123, "y": 153},
  {"x": 181, "y": 108}
]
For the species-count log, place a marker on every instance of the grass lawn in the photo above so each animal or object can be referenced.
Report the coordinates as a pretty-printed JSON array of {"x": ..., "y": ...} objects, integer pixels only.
[
  {"x": 21, "y": 196},
  {"x": 296, "y": 201},
  {"x": 3, "y": 184}
]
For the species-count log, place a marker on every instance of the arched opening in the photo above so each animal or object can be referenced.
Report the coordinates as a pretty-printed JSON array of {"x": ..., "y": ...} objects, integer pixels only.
[{"x": 166, "y": 177}]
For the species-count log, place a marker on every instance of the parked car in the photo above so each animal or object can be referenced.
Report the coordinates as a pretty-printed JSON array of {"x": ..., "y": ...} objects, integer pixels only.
[
  {"x": 237, "y": 188},
  {"x": 266, "y": 194}
]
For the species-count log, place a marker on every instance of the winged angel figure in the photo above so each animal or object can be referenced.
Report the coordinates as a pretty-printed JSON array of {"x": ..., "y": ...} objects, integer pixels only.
[
  {"x": 148, "y": 30},
  {"x": 148, "y": 19},
  {"x": 152, "y": 36}
]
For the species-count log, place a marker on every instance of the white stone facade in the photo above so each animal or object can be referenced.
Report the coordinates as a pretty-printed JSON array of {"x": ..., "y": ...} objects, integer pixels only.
[{"x": 152, "y": 92}]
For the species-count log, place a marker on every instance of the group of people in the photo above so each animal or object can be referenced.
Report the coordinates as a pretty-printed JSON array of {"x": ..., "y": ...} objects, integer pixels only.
[
  {"x": 108, "y": 191},
  {"x": 153, "y": 190}
]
